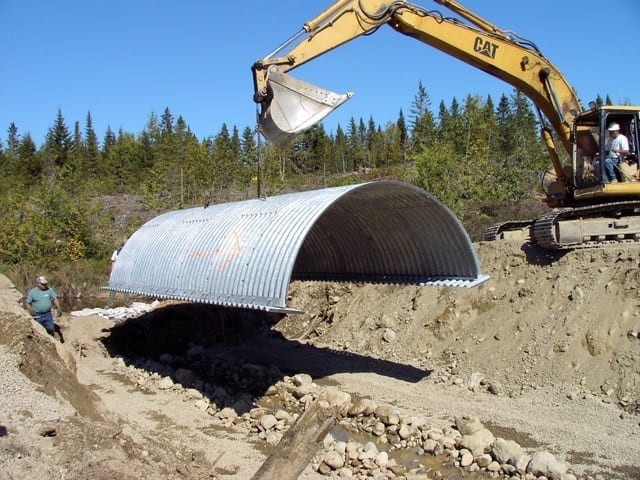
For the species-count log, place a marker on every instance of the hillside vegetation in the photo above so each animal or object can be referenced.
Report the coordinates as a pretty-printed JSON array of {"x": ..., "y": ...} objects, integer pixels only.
[{"x": 70, "y": 201}]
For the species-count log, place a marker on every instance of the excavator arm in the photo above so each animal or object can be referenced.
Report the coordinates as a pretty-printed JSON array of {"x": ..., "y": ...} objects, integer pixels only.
[{"x": 289, "y": 106}]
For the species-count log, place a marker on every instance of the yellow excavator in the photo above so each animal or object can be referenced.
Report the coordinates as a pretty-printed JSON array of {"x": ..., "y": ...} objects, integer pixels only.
[{"x": 590, "y": 207}]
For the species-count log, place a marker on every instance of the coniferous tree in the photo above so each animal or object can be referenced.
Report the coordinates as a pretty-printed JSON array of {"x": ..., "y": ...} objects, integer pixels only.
[
  {"x": 475, "y": 168},
  {"x": 400, "y": 141},
  {"x": 422, "y": 120},
  {"x": 373, "y": 145},
  {"x": 109, "y": 140},
  {"x": 166, "y": 123},
  {"x": 505, "y": 141},
  {"x": 341, "y": 151},
  {"x": 248, "y": 148},
  {"x": 528, "y": 157},
  {"x": 357, "y": 149},
  {"x": 75, "y": 168},
  {"x": 92, "y": 149},
  {"x": 58, "y": 141},
  {"x": 223, "y": 160},
  {"x": 30, "y": 162},
  {"x": 10, "y": 154},
  {"x": 13, "y": 140},
  {"x": 599, "y": 101}
]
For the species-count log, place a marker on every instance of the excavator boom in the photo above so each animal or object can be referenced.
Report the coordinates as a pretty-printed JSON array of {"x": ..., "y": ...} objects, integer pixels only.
[
  {"x": 287, "y": 110},
  {"x": 584, "y": 188}
]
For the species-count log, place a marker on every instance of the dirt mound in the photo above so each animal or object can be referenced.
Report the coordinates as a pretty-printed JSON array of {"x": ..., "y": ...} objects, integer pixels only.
[
  {"x": 546, "y": 353},
  {"x": 558, "y": 321}
]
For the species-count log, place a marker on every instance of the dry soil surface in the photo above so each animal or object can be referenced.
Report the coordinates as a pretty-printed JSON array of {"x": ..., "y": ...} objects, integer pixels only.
[{"x": 545, "y": 353}]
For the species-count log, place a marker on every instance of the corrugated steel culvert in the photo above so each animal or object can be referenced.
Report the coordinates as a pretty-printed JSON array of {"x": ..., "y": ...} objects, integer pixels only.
[{"x": 245, "y": 254}]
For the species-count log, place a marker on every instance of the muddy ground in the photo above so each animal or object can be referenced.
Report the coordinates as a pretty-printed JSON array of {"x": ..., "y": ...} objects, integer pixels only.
[{"x": 545, "y": 353}]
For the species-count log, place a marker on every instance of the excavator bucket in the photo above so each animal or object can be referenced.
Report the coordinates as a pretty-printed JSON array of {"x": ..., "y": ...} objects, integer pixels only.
[{"x": 295, "y": 106}]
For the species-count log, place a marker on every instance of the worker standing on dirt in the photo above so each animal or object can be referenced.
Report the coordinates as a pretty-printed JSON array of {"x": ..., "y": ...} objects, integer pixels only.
[{"x": 39, "y": 302}]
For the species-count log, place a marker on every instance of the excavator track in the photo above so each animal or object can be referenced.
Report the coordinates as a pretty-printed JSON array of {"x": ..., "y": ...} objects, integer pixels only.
[
  {"x": 500, "y": 230},
  {"x": 589, "y": 226},
  {"x": 576, "y": 227}
]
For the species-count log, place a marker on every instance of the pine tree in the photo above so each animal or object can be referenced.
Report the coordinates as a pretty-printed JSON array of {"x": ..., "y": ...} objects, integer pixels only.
[
  {"x": 92, "y": 149},
  {"x": 109, "y": 140},
  {"x": 341, "y": 151},
  {"x": 75, "y": 167},
  {"x": 504, "y": 127},
  {"x": 30, "y": 162},
  {"x": 248, "y": 148},
  {"x": 13, "y": 141},
  {"x": 422, "y": 120},
  {"x": 58, "y": 141},
  {"x": 166, "y": 122},
  {"x": 400, "y": 142}
]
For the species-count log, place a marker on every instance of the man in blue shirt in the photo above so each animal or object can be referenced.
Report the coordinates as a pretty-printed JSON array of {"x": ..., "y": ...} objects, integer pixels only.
[{"x": 39, "y": 303}]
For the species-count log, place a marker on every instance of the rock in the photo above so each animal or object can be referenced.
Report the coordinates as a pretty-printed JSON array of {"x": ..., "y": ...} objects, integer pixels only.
[
  {"x": 227, "y": 413},
  {"x": 340, "y": 447},
  {"x": 466, "y": 458},
  {"x": 417, "y": 421},
  {"x": 384, "y": 413},
  {"x": 429, "y": 445},
  {"x": 370, "y": 451},
  {"x": 447, "y": 442},
  {"x": 304, "y": 390},
  {"x": 193, "y": 394},
  {"x": 379, "y": 429},
  {"x": 545, "y": 464},
  {"x": 363, "y": 406},
  {"x": 388, "y": 335},
  {"x": 202, "y": 405},
  {"x": 479, "y": 442},
  {"x": 521, "y": 463},
  {"x": 301, "y": 379},
  {"x": 345, "y": 472},
  {"x": 468, "y": 425},
  {"x": 474, "y": 381},
  {"x": 382, "y": 459},
  {"x": 496, "y": 388},
  {"x": 273, "y": 438},
  {"x": 484, "y": 460},
  {"x": 336, "y": 398},
  {"x": 404, "y": 432},
  {"x": 165, "y": 383},
  {"x": 352, "y": 450},
  {"x": 504, "y": 450},
  {"x": 333, "y": 299},
  {"x": 283, "y": 415},
  {"x": 267, "y": 422}
]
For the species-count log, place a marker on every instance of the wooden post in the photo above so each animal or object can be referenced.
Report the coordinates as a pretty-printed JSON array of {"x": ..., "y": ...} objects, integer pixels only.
[{"x": 299, "y": 443}]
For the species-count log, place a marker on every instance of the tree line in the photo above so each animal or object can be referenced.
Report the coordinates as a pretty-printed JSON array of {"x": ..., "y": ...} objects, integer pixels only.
[{"x": 471, "y": 155}]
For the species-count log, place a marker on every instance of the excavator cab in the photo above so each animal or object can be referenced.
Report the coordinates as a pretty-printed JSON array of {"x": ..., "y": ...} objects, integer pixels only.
[
  {"x": 293, "y": 106},
  {"x": 590, "y": 139}
]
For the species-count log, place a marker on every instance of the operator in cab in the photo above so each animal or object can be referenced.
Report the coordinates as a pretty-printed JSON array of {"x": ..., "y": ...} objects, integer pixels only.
[{"x": 615, "y": 149}]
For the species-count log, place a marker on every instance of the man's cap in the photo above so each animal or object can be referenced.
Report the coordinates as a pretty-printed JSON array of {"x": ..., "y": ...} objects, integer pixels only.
[
  {"x": 613, "y": 127},
  {"x": 41, "y": 279}
]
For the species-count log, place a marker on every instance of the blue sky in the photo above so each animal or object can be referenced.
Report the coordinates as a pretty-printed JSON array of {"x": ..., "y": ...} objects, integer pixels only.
[{"x": 122, "y": 60}]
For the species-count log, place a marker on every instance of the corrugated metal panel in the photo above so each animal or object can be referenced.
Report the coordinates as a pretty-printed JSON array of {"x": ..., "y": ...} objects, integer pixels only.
[{"x": 245, "y": 254}]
